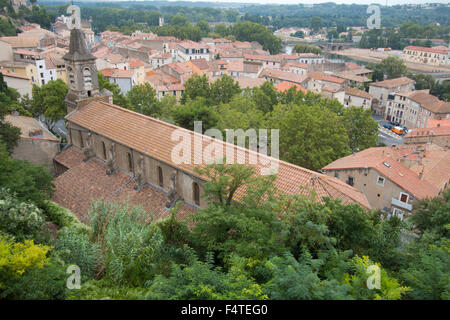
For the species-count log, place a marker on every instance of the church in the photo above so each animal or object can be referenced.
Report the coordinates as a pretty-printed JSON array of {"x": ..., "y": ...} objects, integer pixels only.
[{"x": 122, "y": 156}]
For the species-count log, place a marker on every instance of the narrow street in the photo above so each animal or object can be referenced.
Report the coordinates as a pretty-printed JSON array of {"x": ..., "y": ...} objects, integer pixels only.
[{"x": 386, "y": 136}]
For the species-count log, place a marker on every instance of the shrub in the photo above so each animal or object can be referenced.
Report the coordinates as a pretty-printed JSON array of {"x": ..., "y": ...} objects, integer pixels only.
[
  {"x": 74, "y": 248},
  {"x": 18, "y": 257},
  {"x": 63, "y": 217},
  {"x": 20, "y": 220},
  {"x": 44, "y": 283}
]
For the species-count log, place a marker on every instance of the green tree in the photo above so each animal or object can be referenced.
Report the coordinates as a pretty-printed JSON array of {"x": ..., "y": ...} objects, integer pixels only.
[
  {"x": 432, "y": 216},
  {"x": 332, "y": 35},
  {"x": 304, "y": 48},
  {"x": 299, "y": 34},
  {"x": 195, "y": 110},
  {"x": 423, "y": 81},
  {"x": 315, "y": 23},
  {"x": 48, "y": 100},
  {"x": 196, "y": 86},
  {"x": 27, "y": 181},
  {"x": 143, "y": 100},
  {"x": 204, "y": 27},
  {"x": 6, "y": 28},
  {"x": 223, "y": 90},
  {"x": 442, "y": 90},
  {"x": 310, "y": 136},
  {"x": 362, "y": 130},
  {"x": 393, "y": 67},
  {"x": 9, "y": 134}
]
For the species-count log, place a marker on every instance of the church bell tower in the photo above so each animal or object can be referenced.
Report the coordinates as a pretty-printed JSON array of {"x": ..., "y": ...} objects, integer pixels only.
[{"x": 81, "y": 70}]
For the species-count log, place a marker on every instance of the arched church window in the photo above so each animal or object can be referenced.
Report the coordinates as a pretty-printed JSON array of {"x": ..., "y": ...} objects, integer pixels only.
[
  {"x": 196, "y": 193},
  {"x": 130, "y": 162},
  {"x": 81, "y": 139},
  {"x": 87, "y": 78},
  {"x": 104, "y": 150},
  {"x": 160, "y": 177}
]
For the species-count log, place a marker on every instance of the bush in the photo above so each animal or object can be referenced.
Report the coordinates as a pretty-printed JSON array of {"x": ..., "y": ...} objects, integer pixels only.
[
  {"x": 20, "y": 220},
  {"x": 63, "y": 217},
  {"x": 74, "y": 248},
  {"x": 44, "y": 283},
  {"x": 18, "y": 257}
]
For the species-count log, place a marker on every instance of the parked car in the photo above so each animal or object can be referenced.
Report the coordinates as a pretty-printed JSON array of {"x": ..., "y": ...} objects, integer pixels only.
[
  {"x": 394, "y": 123},
  {"x": 398, "y": 130},
  {"x": 387, "y": 126}
]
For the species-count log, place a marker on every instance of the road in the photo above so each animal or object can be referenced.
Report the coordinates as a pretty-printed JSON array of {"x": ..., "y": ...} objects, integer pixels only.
[{"x": 386, "y": 136}]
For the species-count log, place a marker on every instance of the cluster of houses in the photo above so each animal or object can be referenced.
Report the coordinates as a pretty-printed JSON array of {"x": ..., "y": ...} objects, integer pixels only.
[{"x": 391, "y": 178}]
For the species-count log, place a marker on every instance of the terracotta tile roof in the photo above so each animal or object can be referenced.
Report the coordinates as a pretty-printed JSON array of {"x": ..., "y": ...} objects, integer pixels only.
[
  {"x": 419, "y": 96},
  {"x": 30, "y": 127},
  {"x": 389, "y": 162},
  {"x": 296, "y": 65},
  {"x": 252, "y": 66},
  {"x": 357, "y": 93},
  {"x": 440, "y": 123},
  {"x": 352, "y": 65},
  {"x": 425, "y": 49},
  {"x": 428, "y": 132},
  {"x": 69, "y": 157},
  {"x": 7, "y": 73},
  {"x": 26, "y": 52},
  {"x": 351, "y": 76},
  {"x": 242, "y": 44},
  {"x": 359, "y": 70},
  {"x": 115, "y": 58},
  {"x": 283, "y": 75},
  {"x": 245, "y": 82},
  {"x": 332, "y": 89},
  {"x": 22, "y": 42},
  {"x": 179, "y": 68},
  {"x": 286, "y": 85},
  {"x": 236, "y": 66},
  {"x": 438, "y": 107},
  {"x": 391, "y": 83},
  {"x": 117, "y": 73},
  {"x": 136, "y": 64},
  {"x": 325, "y": 77},
  {"x": 263, "y": 57},
  {"x": 192, "y": 45},
  {"x": 86, "y": 182},
  {"x": 154, "y": 138},
  {"x": 202, "y": 63}
]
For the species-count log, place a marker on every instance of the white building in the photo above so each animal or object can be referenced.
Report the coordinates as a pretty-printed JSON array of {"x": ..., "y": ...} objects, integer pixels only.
[
  {"x": 189, "y": 50},
  {"x": 424, "y": 55},
  {"x": 46, "y": 71}
]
